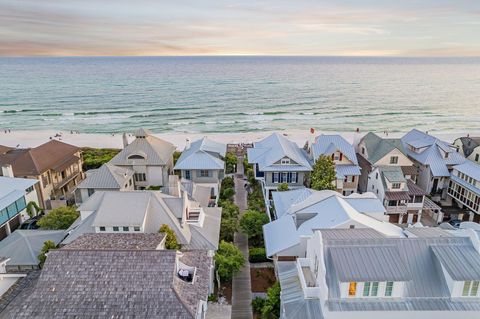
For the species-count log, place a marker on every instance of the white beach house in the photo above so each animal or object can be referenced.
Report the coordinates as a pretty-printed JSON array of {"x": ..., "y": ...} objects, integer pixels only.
[{"x": 464, "y": 189}]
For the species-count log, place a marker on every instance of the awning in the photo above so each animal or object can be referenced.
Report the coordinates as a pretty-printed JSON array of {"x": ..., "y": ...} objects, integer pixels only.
[{"x": 397, "y": 195}]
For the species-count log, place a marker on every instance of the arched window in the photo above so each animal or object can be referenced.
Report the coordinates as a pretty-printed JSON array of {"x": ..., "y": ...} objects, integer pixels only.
[{"x": 136, "y": 156}]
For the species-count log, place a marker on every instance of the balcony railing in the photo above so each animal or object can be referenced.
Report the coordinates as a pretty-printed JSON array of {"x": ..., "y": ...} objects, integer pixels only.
[
  {"x": 307, "y": 279},
  {"x": 400, "y": 209},
  {"x": 59, "y": 184}
]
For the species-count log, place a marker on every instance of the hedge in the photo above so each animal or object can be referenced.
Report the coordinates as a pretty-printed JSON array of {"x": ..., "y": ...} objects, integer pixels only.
[{"x": 257, "y": 255}]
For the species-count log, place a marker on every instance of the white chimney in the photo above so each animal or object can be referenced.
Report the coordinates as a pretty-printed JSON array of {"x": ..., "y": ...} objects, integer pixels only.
[
  {"x": 356, "y": 138},
  {"x": 7, "y": 170},
  {"x": 125, "y": 140},
  {"x": 311, "y": 140},
  {"x": 187, "y": 143}
]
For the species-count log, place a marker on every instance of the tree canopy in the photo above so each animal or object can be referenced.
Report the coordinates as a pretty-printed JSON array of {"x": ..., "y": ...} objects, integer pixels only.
[
  {"x": 59, "y": 218},
  {"x": 228, "y": 259},
  {"x": 171, "y": 240},
  {"x": 323, "y": 175},
  {"x": 252, "y": 223},
  {"x": 47, "y": 246}
]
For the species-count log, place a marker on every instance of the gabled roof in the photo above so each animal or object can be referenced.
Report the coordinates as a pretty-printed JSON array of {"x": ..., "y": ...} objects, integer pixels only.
[
  {"x": 113, "y": 284},
  {"x": 328, "y": 144},
  {"x": 430, "y": 152},
  {"x": 202, "y": 154},
  {"x": 470, "y": 169},
  {"x": 469, "y": 144},
  {"x": 23, "y": 246},
  {"x": 150, "y": 209},
  {"x": 155, "y": 150},
  {"x": 461, "y": 263},
  {"x": 272, "y": 149},
  {"x": 378, "y": 147},
  {"x": 117, "y": 241},
  {"x": 12, "y": 189},
  {"x": 108, "y": 176},
  {"x": 54, "y": 155},
  {"x": 321, "y": 210}
]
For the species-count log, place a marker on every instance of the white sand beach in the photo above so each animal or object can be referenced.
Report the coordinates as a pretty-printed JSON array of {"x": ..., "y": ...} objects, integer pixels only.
[{"x": 24, "y": 139}]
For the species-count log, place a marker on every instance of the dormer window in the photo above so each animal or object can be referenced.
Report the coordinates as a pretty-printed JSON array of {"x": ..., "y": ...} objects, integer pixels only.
[
  {"x": 396, "y": 185},
  {"x": 393, "y": 159},
  {"x": 285, "y": 160},
  {"x": 470, "y": 288},
  {"x": 136, "y": 156}
]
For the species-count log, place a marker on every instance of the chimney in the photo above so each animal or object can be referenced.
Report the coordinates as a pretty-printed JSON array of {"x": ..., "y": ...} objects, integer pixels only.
[
  {"x": 311, "y": 140},
  {"x": 356, "y": 138},
  {"x": 125, "y": 140},
  {"x": 187, "y": 143},
  {"x": 7, "y": 170}
]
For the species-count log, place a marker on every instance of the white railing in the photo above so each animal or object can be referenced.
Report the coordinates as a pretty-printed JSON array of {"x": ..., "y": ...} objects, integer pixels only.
[
  {"x": 308, "y": 292},
  {"x": 400, "y": 209}
]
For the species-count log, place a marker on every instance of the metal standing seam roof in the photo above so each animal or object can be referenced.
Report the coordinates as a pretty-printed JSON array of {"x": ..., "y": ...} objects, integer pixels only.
[
  {"x": 108, "y": 176},
  {"x": 327, "y": 144},
  {"x": 202, "y": 154},
  {"x": 430, "y": 154},
  {"x": 272, "y": 149},
  {"x": 465, "y": 184},
  {"x": 12, "y": 189},
  {"x": 155, "y": 150},
  {"x": 23, "y": 246},
  {"x": 347, "y": 170},
  {"x": 470, "y": 169},
  {"x": 369, "y": 263},
  {"x": 461, "y": 263}
]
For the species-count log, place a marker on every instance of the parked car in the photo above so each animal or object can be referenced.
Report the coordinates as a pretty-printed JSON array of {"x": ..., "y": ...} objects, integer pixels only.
[
  {"x": 455, "y": 223},
  {"x": 30, "y": 224}
]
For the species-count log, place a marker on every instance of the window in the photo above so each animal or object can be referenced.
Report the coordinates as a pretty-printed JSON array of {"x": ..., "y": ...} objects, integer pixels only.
[
  {"x": 125, "y": 228},
  {"x": 393, "y": 159},
  {"x": 90, "y": 191},
  {"x": 136, "y": 228},
  {"x": 115, "y": 228},
  {"x": 477, "y": 157},
  {"x": 352, "y": 289},
  {"x": 389, "y": 289},
  {"x": 285, "y": 161},
  {"x": 363, "y": 150},
  {"x": 204, "y": 173},
  {"x": 140, "y": 177},
  {"x": 275, "y": 177},
  {"x": 376, "y": 175},
  {"x": 284, "y": 177},
  {"x": 136, "y": 156},
  {"x": 187, "y": 174},
  {"x": 396, "y": 185},
  {"x": 29, "y": 190},
  {"x": 102, "y": 228},
  {"x": 21, "y": 204},
  {"x": 130, "y": 182},
  {"x": 370, "y": 289},
  {"x": 470, "y": 288},
  {"x": 294, "y": 177}
]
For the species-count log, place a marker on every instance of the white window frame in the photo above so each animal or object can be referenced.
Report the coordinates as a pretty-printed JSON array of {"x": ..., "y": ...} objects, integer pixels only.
[
  {"x": 275, "y": 177},
  {"x": 396, "y": 185},
  {"x": 285, "y": 161},
  {"x": 471, "y": 288},
  {"x": 204, "y": 173}
]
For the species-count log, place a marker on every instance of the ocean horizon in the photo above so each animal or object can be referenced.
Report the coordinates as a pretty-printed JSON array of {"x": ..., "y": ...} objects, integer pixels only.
[{"x": 239, "y": 93}]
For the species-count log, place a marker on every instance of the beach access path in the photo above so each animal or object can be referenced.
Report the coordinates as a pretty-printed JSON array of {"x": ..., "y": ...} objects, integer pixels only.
[{"x": 241, "y": 285}]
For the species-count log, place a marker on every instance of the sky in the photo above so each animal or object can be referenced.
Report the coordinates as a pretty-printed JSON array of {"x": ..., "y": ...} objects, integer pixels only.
[{"x": 259, "y": 27}]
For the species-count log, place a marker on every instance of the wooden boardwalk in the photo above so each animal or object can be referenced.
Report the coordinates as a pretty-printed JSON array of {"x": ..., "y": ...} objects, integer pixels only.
[{"x": 241, "y": 285}]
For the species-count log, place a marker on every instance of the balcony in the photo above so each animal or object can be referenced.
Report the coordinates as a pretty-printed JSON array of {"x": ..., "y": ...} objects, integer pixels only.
[
  {"x": 68, "y": 177},
  {"x": 307, "y": 279},
  {"x": 400, "y": 209}
]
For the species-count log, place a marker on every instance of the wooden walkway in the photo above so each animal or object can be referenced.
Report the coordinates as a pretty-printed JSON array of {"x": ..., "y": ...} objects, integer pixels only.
[{"x": 241, "y": 285}]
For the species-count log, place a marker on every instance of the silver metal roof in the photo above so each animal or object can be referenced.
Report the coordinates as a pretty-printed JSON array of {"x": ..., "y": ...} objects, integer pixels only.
[
  {"x": 202, "y": 154},
  {"x": 108, "y": 176},
  {"x": 328, "y": 144},
  {"x": 462, "y": 263},
  {"x": 12, "y": 189},
  {"x": 470, "y": 169}
]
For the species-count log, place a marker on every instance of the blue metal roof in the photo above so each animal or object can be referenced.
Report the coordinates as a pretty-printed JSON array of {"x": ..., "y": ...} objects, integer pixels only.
[
  {"x": 469, "y": 168},
  {"x": 328, "y": 144},
  {"x": 202, "y": 154},
  {"x": 347, "y": 170}
]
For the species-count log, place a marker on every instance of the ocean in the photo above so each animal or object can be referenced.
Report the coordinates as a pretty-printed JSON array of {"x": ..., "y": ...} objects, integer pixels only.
[{"x": 239, "y": 94}]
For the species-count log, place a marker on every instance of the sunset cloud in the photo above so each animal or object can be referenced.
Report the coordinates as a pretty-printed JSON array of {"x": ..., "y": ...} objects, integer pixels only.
[{"x": 304, "y": 27}]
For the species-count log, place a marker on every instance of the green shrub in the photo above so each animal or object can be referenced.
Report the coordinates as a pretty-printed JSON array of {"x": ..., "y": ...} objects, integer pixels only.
[
  {"x": 59, "y": 218},
  {"x": 257, "y": 304},
  {"x": 228, "y": 260},
  {"x": 257, "y": 255},
  {"x": 96, "y": 157},
  {"x": 271, "y": 308},
  {"x": 212, "y": 297},
  {"x": 230, "y": 162},
  {"x": 176, "y": 156},
  {"x": 47, "y": 246},
  {"x": 228, "y": 226},
  {"x": 252, "y": 224},
  {"x": 228, "y": 182},
  {"x": 227, "y": 194},
  {"x": 282, "y": 187},
  {"x": 171, "y": 240}
]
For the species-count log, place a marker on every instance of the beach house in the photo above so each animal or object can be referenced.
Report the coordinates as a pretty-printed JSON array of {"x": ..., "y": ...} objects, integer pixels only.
[
  {"x": 299, "y": 212},
  {"x": 202, "y": 163},
  {"x": 149, "y": 157},
  {"x": 277, "y": 160},
  {"x": 128, "y": 280},
  {"x": 464, "y": 189},
  {"x": 343, "y": 155},
  {"x": 107, "y": 177},
  {"x": 56, "y": 165},
  {"x": 195, "y": 227},
  {"x": 374, "y": 151},
  {"x": 15, "y": 195},
  {"x": 469, "y": 147},
  {"x": 434, "y": 159},
  {"x": 402, "y": 198},
  {"x": 360, "y": 273}
]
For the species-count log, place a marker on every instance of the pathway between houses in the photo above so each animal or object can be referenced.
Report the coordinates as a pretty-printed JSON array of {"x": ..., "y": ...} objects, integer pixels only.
[{"x": 241, "y": 285}]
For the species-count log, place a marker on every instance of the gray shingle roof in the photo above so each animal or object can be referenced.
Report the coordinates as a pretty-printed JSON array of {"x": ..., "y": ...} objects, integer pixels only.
[
  {"x": 378, "y": 147},
  {"x": 114, "y": 284},
  {"x": 108, "y": 176},
  {"x": 109, "y": 241},
  {"x": 469, "y": 144}
]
